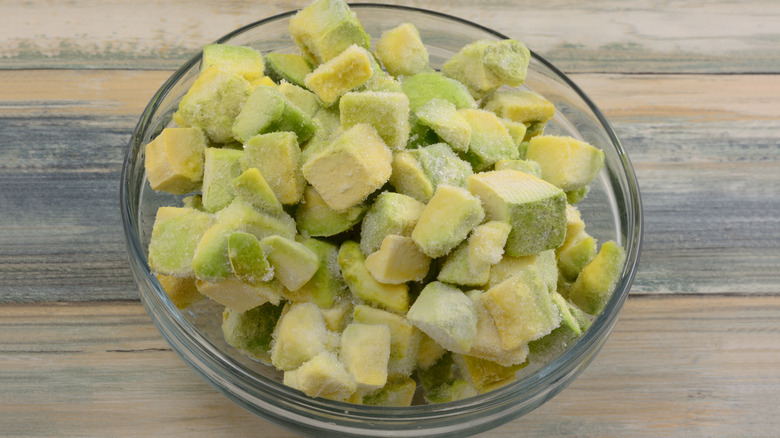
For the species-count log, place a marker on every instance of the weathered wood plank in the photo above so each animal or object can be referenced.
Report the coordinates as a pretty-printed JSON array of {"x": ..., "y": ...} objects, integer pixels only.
[
  {"x": 673, "y": 366},
  {"x": 708, "y": 164},
  {"x": 609, "y": 36}
]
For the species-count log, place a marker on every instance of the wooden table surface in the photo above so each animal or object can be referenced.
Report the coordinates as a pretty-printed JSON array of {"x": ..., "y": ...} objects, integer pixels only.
[{"x": 692, "y": 89}]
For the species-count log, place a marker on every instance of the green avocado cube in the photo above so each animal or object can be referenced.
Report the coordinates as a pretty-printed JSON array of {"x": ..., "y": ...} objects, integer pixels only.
[
  {"x": 305, "y": 100},
  {"x": 220, "y": 168},
  {"x": 288, "y": 67},
  {"x": 268, "y": 110},
  {"x": 315, "y": 218},
  {"x": 457, "y": 270},
  {"x": 396, "y": 393},
  {"x": 442, "y": 165},
  {"x": 242, "y": 60},
  {"x": 444, "y": 119},
  {"x": 485, "y": 65},
  {"x": 240, "y": 296},
  {"x": 326, "y": 28},
  {"x": 535, "y": 208},
  {"x": 213, "y": 102},
  {"x": 526, "y": 166},
  {"x": 175, "y": 236},
  {"x": 252, "y": 187},
  {"x": 326, "y": 285},
  {"x": 445, "y": 314},
  {"x": 447, "y": 220},
  {"x": 293, "y": 263},
  {"x": 546, "y": 348},
  {"x": 387, "y": 112},
  {"x": 278, "y": 158},
  {"x": 247, "y": 258},
  {"x": 391, "y": 213},
  {"x": 424, "y": 86},
  {"x": 404, "y": 337},
  {"x": 598, "y": 279},
  {"x": 409, "y": 178},
  {"x": 490, "y": 140},
  {"x": 393, "y": 297},
  {"x": 251, "y": 331}
]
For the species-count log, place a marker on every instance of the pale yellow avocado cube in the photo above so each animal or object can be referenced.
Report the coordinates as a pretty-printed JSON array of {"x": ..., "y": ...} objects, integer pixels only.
[
  {"x": 487, "y": 342},
  {"x": 396, "y": 393},
  {"x": 347, "y": 71},
  {"x": 242, "y": 60},
  {"x": 486, "y": 375},
  {"x": 181, "y": 290},
  {"x": 401, "y": 50},
  {"x": 387, "y": 112},
  {"x": 391, "y": 213},
  {"x": 278, "y": 158},
  {"x": 397, "y": 261},
  {"x": 447, "y": 122},
  {"x": 527, "y": 166},
  {"x": 409, "y": 178},
  {"x": 447, "y": 220},
  {"x": 404, "y": 337},
  {"x": 253, "y": 188},
  {"x": 519, "y": 105},
  {"x": 176, "y": 234},
  {"x": 445, "y": 314},
  {"x": 322, "y": 376},
  {"x": 325, "y": 28},
  {"x": 293, "y": 263},
  {"x": 350, "y": 168},
  {"x": 485, "y": 65},
  {"x": 365, "y": 352},
  {"x": 522, "y": 309},
  {"x": 238, "y": 295},
  {"x": 429, "y": 352},
  {"x": 598, "y": 279},
  {"x": 393, "y": 297},
  {"x": 300, "y": 335},
  {"x": 486, "y": 244},
  {"x": 544, "y": 264},
  {"x": 265, "y": 80},
  {"x": 174, "y": 160},
  {"x": 566, "y": 162}
]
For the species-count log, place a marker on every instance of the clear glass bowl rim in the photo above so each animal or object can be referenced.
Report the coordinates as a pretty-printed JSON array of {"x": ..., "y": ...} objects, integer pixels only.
[{"x": 291, "y": 409}]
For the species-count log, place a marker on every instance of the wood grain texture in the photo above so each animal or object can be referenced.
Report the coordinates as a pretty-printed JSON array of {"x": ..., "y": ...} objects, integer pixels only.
[
  {"x": 673, "y": 366},
  {"x": 608, "y": 36},
  {"x": 705, "y": 150}
]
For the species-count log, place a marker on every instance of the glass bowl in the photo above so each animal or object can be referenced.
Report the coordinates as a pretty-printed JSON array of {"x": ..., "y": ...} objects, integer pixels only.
[{"x": 612, "y": 210}]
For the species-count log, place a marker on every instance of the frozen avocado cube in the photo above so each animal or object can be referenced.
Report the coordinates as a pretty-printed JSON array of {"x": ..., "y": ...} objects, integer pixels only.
[
  {"x": 485, "y": 65},
  {"x": 387, "y": 112},
  {"x": 401, "y": 50},
  {"x": 458, "y": 389},
  {"x": 545, "y": 349},
  {"x": 398, "y": 261},
  {"x": 447, "y": 220},
  {"x": 315, "y": 218},
  {"x": 490, "y": 140},
  {"x": 396, "y": 393},
  {"x": 213, "y": 102},
  {"x": 242, "y": 216},
  {"x": 485, "y": 375},
  {"x": 322, "y": 376},
  {"x": 520, "y": 106},
  {"x": 487, "y": 342},
  {"x": 443, "y": 117},
  {"x": 305, "y": 100},
  {"x": 525, "y": 166},
  {"x": 268, "y": 110},
  {"x": 424, "y": 86},
  {"x": 251, "y": 331},
  {"x": 574, "y": 256},
  {"x": 445, "y": 314},
  {"x": 293, "y": 263},
  {"x": 345, "y": 72},
  {"x": 522, "y": 309},
  {"x": 442, "y": 165},
  {"x": 174, "y": 160},
  {"x": 252, "y": 187},
  {"x": 543, "y": 263},
  {"x": 278, "y": 158},
  {"x": 240, "y": 296},
  {"x": 404, "y": 337},
  {"x": 350, "y": 168},
  {"x": 299, "y": 336},
  {"x": 391, "y": 213},
  {"x": 409, "y": 178},
  {"x": 242, "y": 60},
  {"x": 598, "y": 279},
  {"x": 287, "y": 67},
  {"x": 175, "y": 236},
  {"x": 429, "y": 353},
  {"x": 517, "y": 131},
  {"x": 220, "y": 168},
  {"x": 486, "y": 245},
  {"x": 181, "y": 290},
  {"x": 575, "y": 196},
  {"x": 535, "y": 208},
  {"x": 247, "y": 258},
  {"x": 566, "y": 162},
  {"x": 326, "y": 285},
  {"x": 326, "y": 28},
  {"x": 457, "y": 270},
  {"x": 365, "y": 352},
  {"x": 393, "y": 297}
]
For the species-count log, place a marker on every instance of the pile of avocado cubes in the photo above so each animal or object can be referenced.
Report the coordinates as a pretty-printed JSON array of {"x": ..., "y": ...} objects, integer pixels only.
[{"x": 379, "y": 231}]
